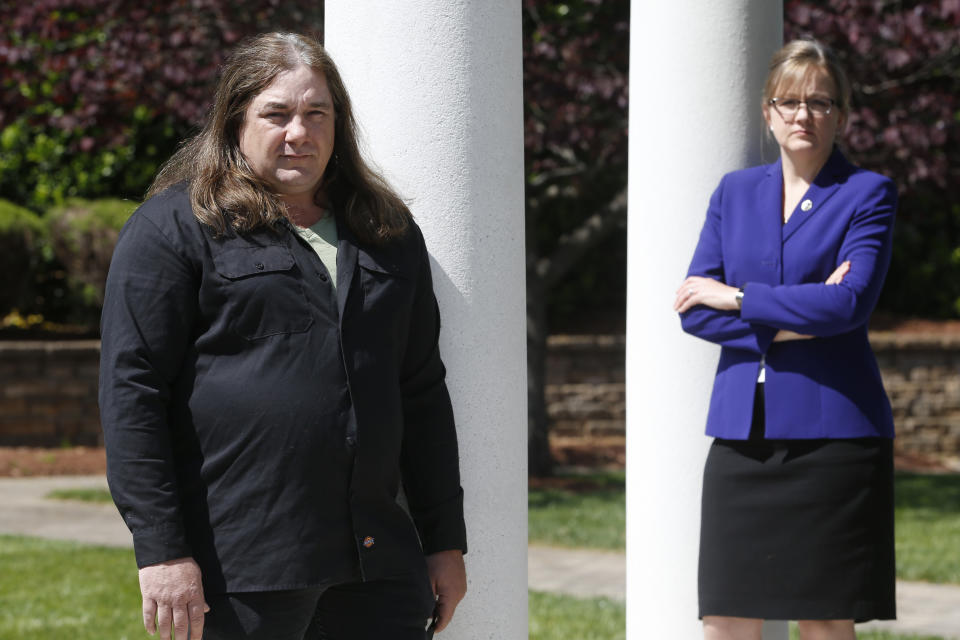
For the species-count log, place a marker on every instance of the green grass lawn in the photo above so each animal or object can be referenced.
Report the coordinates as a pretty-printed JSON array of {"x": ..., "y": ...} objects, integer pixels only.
[
  {"x": 882, "y": 635},
  {"x": 872, "y": 635},
  {"x": 66, "y": 591},
  {"x": 57, "y": 590},
  {"x": 83, "y": 495},
  {"x": 928, "y": 527},
  {"x": 556, "y": 617},
  {"x": 592, "y": 513}
]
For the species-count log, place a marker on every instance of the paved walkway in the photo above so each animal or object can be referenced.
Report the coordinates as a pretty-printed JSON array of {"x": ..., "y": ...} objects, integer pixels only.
[
  {"x": 25, "y": 510},
  {"x": 923, "y": 608}
]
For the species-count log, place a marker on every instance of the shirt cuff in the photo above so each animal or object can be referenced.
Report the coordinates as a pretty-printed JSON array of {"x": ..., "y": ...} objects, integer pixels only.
[
  {"x": 160, "y": 545},
  {"x": 443, "y": 528}
]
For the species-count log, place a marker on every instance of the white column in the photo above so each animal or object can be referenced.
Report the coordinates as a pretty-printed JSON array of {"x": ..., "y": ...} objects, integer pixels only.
[
  {"x": 437, "y": 87},
  {"x": 696, "y": 76}
]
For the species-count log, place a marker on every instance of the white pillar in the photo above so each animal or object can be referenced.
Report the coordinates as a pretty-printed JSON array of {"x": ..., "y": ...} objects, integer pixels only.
[
  {"x": 696, "y": 75},
  {"x": 437, "y": 87}
]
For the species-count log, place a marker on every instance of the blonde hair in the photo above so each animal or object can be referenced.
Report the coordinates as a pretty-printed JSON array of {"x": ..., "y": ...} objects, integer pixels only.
[
  {"x": 798, "y": 58},
  {"x": 224, "y": 190}
]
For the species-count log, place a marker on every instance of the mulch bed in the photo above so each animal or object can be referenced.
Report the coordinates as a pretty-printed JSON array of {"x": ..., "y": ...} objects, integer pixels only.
[
  {"x": 883, "y": 322},
  {"x": 32, "y": 461},
  {"x": 570, "y": 453}
]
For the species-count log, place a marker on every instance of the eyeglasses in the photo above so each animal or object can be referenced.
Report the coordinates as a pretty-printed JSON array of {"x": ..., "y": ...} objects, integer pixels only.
[{"x": 788, "y": 107}]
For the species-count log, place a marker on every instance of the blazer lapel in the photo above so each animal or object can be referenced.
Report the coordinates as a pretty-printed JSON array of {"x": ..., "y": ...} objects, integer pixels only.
[
  {"x": 346, "y": 264},
  {"x": 769, "y": 197},
  {"x": 833, "y": 173}
]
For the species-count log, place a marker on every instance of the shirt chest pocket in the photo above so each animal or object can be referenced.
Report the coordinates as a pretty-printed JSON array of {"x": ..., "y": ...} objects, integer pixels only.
[
  {"x": 262, "y": 291},
  {"x": 388, "y": 293}
]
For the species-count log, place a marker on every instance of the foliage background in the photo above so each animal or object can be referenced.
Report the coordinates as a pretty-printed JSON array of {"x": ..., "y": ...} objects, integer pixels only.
[
  {"x": 96, "y": 93},
  {"x": 903, "y": 59}
]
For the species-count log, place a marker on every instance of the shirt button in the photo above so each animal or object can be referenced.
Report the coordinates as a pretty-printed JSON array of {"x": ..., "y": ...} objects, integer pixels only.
[
  {"x": 259, "y": 266},
  {"x": 368, "y": 542}
]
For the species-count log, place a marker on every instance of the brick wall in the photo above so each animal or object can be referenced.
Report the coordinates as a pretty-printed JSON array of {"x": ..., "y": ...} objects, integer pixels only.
[
  {"x": 48, "y": 390},
  {"x": 585, "y": 385},
  {"x": 48, "y": 393},
  {"x": 922, "y": 376},
  {"x": 586, "y": 391}
]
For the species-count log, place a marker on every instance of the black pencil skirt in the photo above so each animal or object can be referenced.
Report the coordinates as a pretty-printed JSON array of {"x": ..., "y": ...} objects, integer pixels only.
[{"x": 798, "y": 529}]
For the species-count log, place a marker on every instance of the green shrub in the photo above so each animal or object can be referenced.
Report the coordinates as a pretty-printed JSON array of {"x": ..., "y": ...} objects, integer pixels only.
[
  {"x": 96, "y": 95},
  {"x": 43, "y": 166},
  {"x": 21, "y": 237},
  {"x": 83, "y": 234},
  {"x": 16, "y": 218}
]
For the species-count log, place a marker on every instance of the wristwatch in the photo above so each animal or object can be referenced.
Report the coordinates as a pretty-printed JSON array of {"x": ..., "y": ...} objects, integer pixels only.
[{"x": 740, "y": 298}]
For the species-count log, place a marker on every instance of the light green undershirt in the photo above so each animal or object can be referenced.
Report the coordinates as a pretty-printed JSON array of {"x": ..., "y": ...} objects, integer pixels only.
[{"x": 322, "y": 236}]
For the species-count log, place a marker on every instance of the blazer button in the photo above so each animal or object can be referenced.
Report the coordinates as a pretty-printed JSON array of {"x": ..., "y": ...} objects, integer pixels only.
[
  {"x": 806, "y": 205},
  {"x": 323, "y": 276},
  {"x": 368, "y": 542},
  {"x": 259, "y": 266}
]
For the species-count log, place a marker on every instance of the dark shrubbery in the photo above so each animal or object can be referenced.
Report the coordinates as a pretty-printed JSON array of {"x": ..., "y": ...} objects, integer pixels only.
[
  {"x": 21, "y": 235},
  {"x": 55, "y": 266},
  {"x": 43, "y": 166},
  {"x": 83, "y": 234}
]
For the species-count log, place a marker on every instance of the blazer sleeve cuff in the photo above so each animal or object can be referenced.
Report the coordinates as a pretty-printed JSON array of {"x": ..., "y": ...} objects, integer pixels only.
[{"x": 755, "y": 305}]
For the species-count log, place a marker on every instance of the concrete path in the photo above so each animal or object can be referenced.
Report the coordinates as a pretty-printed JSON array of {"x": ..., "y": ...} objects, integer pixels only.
[
  {"x": 24, "y": 509},
  {"x": 580, "y": 573},
  {"x": 923, "y": 608}
]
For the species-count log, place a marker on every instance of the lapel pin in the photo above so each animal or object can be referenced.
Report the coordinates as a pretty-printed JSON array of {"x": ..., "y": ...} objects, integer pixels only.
[{"x": 806, "y": 205}]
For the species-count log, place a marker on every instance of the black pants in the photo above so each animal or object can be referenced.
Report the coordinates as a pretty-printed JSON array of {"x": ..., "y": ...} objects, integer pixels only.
[{"x": 394, "y": 608}]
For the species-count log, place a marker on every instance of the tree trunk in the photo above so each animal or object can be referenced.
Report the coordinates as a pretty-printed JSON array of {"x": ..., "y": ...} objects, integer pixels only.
[{"x": 539, "y": 460}]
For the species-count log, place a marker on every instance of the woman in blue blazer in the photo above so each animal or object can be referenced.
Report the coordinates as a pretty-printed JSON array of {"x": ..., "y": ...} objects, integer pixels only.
[{"x": 797, "y": 516}]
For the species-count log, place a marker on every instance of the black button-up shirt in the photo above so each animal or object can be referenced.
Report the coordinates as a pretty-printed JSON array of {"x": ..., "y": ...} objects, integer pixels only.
[{"x": 261, "y": 421}]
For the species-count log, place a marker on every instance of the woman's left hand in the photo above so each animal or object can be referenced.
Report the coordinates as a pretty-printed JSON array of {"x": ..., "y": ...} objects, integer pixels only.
[{"x": 707, "y": 291}]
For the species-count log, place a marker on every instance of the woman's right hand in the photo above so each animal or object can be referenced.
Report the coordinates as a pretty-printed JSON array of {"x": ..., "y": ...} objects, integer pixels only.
[{"x": 834, "y": 278}]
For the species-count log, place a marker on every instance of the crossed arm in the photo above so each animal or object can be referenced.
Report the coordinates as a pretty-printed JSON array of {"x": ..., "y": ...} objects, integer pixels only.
[
  {"x": 786, "y": 311},
  {"x": 712, "y": 293}
]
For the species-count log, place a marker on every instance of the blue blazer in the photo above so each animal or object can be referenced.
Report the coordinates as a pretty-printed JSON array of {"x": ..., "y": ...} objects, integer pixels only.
[{"x": 825, "y": 387}]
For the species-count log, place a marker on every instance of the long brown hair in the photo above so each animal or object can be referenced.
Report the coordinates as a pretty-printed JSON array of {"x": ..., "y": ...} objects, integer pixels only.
[{"x": 224, "y": 191}]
